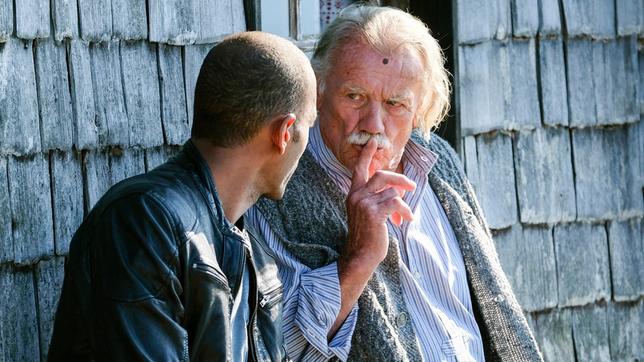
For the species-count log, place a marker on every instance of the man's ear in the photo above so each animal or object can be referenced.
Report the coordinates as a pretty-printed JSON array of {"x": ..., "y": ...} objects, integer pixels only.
[{"x": 282, "y": 132}]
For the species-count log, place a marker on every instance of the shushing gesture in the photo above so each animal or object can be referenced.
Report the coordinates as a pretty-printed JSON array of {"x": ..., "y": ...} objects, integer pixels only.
[{"x": 375, "y": 196}]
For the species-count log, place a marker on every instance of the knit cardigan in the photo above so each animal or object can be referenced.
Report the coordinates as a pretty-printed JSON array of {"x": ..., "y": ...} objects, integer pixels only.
[{"x": 311, "y": 222}]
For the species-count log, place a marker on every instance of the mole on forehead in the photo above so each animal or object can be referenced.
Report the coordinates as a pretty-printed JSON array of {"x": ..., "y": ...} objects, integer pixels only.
[{"x": 385, "y": 61}]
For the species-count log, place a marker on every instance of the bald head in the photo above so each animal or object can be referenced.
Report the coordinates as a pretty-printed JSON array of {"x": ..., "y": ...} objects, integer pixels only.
[{"x": 245, "y": 81}]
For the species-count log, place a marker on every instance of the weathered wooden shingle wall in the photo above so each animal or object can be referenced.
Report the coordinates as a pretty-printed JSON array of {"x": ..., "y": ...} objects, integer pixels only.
[
  {"x": 91, "y": 92},
  {"x": 550, "y": 95}
]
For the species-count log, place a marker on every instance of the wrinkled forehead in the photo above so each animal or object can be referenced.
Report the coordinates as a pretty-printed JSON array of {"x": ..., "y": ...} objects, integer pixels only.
[{"x": 357, "y": 60}]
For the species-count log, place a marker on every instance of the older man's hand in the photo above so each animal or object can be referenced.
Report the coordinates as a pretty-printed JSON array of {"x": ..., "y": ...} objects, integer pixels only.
[{"x": 374, "y": 197}]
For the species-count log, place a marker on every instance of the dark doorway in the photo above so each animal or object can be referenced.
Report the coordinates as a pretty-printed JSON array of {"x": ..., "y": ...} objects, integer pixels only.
[{"x": 438, "y": 16}]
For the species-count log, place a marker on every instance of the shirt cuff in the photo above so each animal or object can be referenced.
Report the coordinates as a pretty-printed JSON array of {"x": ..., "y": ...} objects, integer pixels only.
[{"x": 318, "y": 307}]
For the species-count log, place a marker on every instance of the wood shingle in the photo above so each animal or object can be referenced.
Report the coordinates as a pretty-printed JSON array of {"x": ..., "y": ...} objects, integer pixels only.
[
  {"x": 172, "y": 21},
  {"x": 625, "y": 333},
  {"x": 95, "y": 18},
  {"x": 142, "y": 97},
  {"x": 176, "y": 124},
  {"x": 111, "y": 117},
  {"x": 32, "y": 19},
  {"x": 553, "y": 332},
  {"x": 29, "y": 187},
  {"x": 630, "y": 17},
  {"x": 65, "y": 19},
  {"x": 544, "y": 176},
  {"x": 595, "y": 18},
  {"x": 49, "y": 281},
  {"x": 549, "y": 18},
  {"x": 481, "y": 94},
  {"x": 590, "y": 331},
  {"x": 521, "y": 91},
  {"x": 19, "y": 323},
  {"x": 607, "y": 165},
  {"x": 626, "y": 259},
  {"x": 496, "y": 187},
  {"x": 67, "y": 192},
  {"x": 82, "y": 95},
  {"x": 583, "y": 274},
  {"x": 581, "y": 96},
  {"x": 6, "y": 240},
  {"x": 129, "y": 19},
  {"x": 54, "y": 100},
  {"x": 6, "y": 20},
  {"x": 525, "y": 18},
  {"x": 19, "y": 124},
  {"x": 552, "y": 82},
  {"x": 528, "y": 258}
]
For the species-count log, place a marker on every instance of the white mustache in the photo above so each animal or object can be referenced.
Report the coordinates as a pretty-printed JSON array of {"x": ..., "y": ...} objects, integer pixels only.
[{"x": 361, "y": 139}]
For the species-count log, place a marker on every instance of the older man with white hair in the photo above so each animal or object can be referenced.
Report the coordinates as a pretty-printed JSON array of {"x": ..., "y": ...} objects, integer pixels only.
[{"x": 381, "y": 245}]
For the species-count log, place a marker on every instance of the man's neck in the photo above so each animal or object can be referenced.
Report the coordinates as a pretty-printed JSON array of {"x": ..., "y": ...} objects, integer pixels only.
[{"x": 234, "y": 175}]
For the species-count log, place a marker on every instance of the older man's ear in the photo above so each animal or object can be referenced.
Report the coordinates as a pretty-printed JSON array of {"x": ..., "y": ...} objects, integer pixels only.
[{"x": 281, "y": 133}]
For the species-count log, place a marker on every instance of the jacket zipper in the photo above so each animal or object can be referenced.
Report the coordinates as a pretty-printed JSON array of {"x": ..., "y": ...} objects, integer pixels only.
[
  {"x": 250, "y": 330},
  {"x": 271, "y": 298}
]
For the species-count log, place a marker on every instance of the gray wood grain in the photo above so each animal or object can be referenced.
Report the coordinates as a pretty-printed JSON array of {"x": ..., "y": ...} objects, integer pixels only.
[
  {"x": 95, "y": 17},
  {"x": 142, "y": 98},
  {"x": 30, "y": 191},
  {"x": 49, "y": 281},
  {"x": 65, "y": 19},
  {"x": 111, "y": 117},
  {"x": 32, "y": 19},
  {"x": 552, "y": 80},
  {"x": 6, "y": 20},
  {"x": 193, "y": 58},
  {"x": 19, "y": 324},
  {"x": 545, "y": 182},
  {"x": 553, "y": 332},
  {"x": 525, "y": 18},
  {"x": 581, "y": 96},
  {"x": 481, "y": 92},
  {"x": 56, "y": 115},
  {"x": 129, "y": 19},
  {"x": 594, "y": 18},
  {"x": 607, "y": 168},
  {"x": 521, "y": 91},
  {"x": 625, "y": 333},
  {"x": 496, "y": 187},
  {"x": 630, "y": 17},
  {"x": 82, "y": 94},
  {"x": 19, "y": 124},
  {"x": 528, "y": 258},
  {"x": 96, "y": 170},
  {"x": 6, "y": 240},
  {"x": 176, "y": 124},
  {"x": 67, "y": 191},
  {"x": 626, "y": 259},
  {"x": 125, "y": 164},
  {"x": 583, "y": 274},
  {"x": 590, "y": 332},
  {"x": 550, "y": 18},
  {"x": 172, "y": 21}
]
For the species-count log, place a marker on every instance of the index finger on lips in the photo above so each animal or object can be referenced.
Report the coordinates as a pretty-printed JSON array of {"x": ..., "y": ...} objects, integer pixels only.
[{"x": 361, "y": 170}]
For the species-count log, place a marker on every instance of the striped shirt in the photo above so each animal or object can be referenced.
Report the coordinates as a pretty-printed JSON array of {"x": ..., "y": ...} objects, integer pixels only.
[{"x": 432, "y": 274}]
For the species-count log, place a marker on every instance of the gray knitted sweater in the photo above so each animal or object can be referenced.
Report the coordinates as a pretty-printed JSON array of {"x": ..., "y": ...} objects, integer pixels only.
[{"x": 311, "y": 223}]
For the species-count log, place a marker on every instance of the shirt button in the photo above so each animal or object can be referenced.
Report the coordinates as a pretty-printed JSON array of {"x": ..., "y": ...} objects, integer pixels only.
[
  {"x": 417, "y": 274},
  {"x": 425, "y": 159},
  {"x": 321, "y": 319},
  {"x": 499, "y": 298},
  {"x": 401, "y": 319}
]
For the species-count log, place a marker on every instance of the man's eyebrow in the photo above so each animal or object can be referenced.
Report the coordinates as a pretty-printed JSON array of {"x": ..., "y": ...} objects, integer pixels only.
[
  {"x": 353, "y": 89},
  {"x": 406, "y": 97}
]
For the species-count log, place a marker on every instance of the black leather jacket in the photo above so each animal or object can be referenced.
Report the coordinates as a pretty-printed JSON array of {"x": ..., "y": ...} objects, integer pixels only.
[{"x": 152, "y": 270}]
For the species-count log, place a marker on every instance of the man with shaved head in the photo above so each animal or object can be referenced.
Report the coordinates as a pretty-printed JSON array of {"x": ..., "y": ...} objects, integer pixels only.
[{"x": 162, "y": 269}]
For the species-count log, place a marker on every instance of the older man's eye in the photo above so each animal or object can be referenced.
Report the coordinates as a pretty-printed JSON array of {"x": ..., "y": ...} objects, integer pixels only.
[{"x": 355, "y": 97}]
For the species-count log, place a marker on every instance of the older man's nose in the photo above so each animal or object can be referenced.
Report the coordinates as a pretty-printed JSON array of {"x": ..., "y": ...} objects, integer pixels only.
[{"x": 372, "y": 120}]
